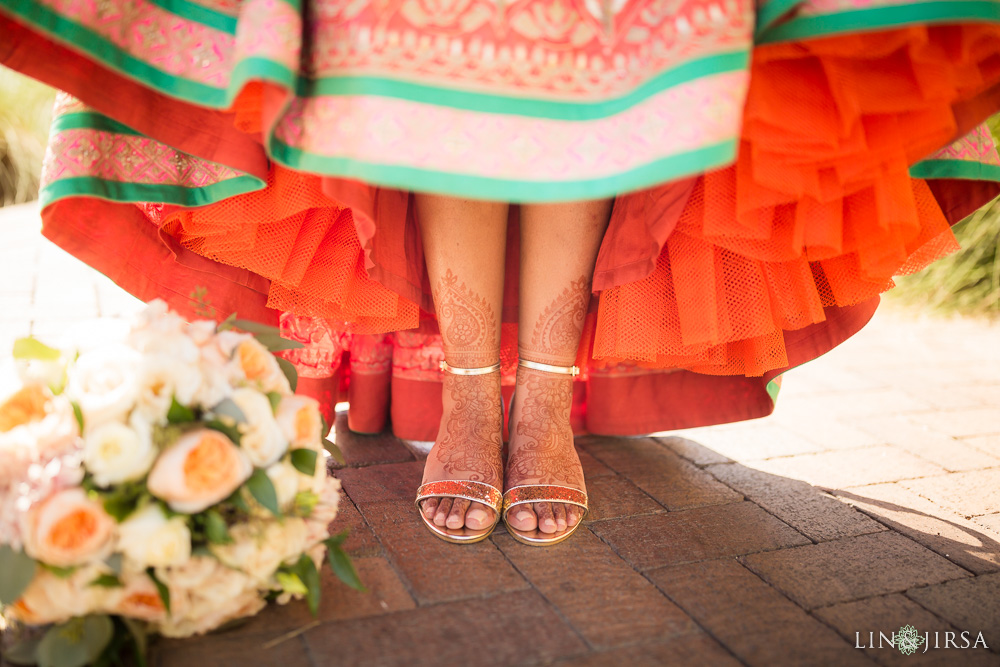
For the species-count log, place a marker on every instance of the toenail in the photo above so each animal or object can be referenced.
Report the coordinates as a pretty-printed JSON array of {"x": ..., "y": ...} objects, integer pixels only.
[
  {"x": 476, "y": 515},
  {"x": 523, "y": 516},
  {"x": 549, "y": 523}
]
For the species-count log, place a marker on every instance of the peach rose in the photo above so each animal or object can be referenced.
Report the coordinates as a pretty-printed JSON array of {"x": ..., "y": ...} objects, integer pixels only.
[
  {"x": 300, "y": 421},
  {"x": 201, "y": 469},
  {"x": 260, "y": 367},
  {"x": 28, "y": 404},
  {"x": 68, "y": 528},
  {"x": 136, "y": 598}
]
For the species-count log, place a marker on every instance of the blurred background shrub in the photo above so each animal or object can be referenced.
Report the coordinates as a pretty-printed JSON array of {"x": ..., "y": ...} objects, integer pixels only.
[{"x": 25, "y": 114}]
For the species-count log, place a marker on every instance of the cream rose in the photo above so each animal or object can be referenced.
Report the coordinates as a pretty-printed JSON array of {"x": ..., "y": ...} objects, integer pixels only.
[
  {"x": 260, "y": 367},
  {"x": 285, "y": 479},
  {"x": 68, "y": 528},
  {"x": 149, "y": 538},
  {"x": 50, "y": 598},
  {"x": 300, "y": 421},
  {"x": 33, "y": 415},
  {"x": 262, "y": 440},
  {"x": 105, "y": 383},
  {"x": 199, "y": 470},
  {"x": 225, "y": 595},
  {"x": 116, "y": 453},
  {"x": 259, "y": 547}
]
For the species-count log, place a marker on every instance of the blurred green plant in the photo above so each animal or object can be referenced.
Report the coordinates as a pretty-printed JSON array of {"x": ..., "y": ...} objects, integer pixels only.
[
  {"x": 967, "y": 282},
  {"x": 25, "y": 114}
]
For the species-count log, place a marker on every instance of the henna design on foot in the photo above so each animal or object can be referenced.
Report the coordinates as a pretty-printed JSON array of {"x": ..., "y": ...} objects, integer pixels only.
[{"x": 542, "y": 451}]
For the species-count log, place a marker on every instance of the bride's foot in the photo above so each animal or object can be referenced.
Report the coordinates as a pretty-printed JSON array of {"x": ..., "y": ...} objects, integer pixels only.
[
  {"x": 467, "y": 448},
  {"x": 542, "y": 450}
]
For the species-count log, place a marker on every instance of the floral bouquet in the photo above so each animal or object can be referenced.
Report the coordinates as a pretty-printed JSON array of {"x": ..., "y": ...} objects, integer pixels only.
[{"x": 171, "y": 482}]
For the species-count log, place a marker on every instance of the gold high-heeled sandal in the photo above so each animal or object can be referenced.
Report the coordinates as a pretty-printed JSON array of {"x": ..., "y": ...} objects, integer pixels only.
[
  {"x": 542, "y": 493},
  {"x": 479, "y": 492}
]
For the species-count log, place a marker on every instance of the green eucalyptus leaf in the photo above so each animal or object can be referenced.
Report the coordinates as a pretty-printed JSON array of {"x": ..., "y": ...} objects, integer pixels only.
[
  {"x": 78, "y": 414},
  {"x": 106, "y": 581},
  {"x": 17, "y": 569},
  {"x": 262, "y": 489},
  {"x": 275, "y": 343},
  {"x": 288, "y": 368},
  {"x": 114, "y": 561},
  {"x": 230, "y": 430},
  {"x": 216, "y": 529},
  {"x": 179, "y": 414},
  {"x": 342, "y": 566},
  {"x": 304, "y": 461},
  {"x": 291, "y": 583},
  {"x": 334, "y": 450},
  {"x": 226, "y": 324},
  {"x": 140, "y": 636},
  {"x": 32, "y": 348},
  {"x": 61, "y": 572},
  {"x": 228, "y": 408},
  {"x": 306, "y": 569},
  {"x": 161, "y": 588},
  {"x": 75, "y": 643},
  {"x": 24, "y": 652},
  {"x": 256, "y": 328}
]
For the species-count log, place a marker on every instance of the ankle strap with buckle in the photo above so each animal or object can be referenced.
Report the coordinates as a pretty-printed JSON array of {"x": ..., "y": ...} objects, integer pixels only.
[
  {"x": 548, "y": 368},
  {"x": 444, "y": 366}
]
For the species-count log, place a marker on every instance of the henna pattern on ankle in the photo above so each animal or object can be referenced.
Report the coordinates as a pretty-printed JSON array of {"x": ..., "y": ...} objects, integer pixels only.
[
  {"x": 558, "y": 329},
  {"x": 544, "y": 453},
  {"x": 468, "y": 326}
]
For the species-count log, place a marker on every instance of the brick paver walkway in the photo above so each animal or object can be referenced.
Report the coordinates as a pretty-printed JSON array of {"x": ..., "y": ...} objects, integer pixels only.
[{"x": 870, "y": 500}]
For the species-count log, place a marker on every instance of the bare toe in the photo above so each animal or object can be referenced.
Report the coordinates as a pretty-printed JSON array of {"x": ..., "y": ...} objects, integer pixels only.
[
  {"x": 441, "y": 517},
  {"x": 546, "y": 520},
  {"x": 522, "y": 517},
  {"x": 456, "y": 518},
  {"x": 429, "y": 507},
  {"x": 478, "y": 517},
  {"x": 573, "y": 515},
  {"x": 559, "y": 511}
]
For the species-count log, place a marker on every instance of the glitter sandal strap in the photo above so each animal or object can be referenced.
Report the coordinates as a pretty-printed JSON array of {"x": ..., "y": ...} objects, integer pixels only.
[
  {"x": 543, "y": 493},
  {"x": 479, "y": 492}
]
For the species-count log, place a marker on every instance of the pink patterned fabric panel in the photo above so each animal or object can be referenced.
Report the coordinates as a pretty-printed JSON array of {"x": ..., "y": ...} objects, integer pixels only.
[{"x": 977, "y": 146}]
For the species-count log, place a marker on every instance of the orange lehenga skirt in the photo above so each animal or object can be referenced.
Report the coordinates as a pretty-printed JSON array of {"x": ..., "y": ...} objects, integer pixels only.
[{"x": 761, "y": 205}]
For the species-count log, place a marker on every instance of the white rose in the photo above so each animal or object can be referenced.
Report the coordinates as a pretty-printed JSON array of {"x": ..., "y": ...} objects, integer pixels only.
[
  {"x": 262, "y": 441},
  {"x": 285, "y": 479},
  {"x": 105, "y": 383},
  {"x": 149, "y": 538},
  {"x": 115, "y": 453},
  {"x": 163, "y": 378}
]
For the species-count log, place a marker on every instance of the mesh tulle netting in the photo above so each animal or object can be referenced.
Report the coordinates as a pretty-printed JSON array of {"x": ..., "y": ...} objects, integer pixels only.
[
  {"x": 305, "y": 244},
  {"x": 818, "y": 210}
]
